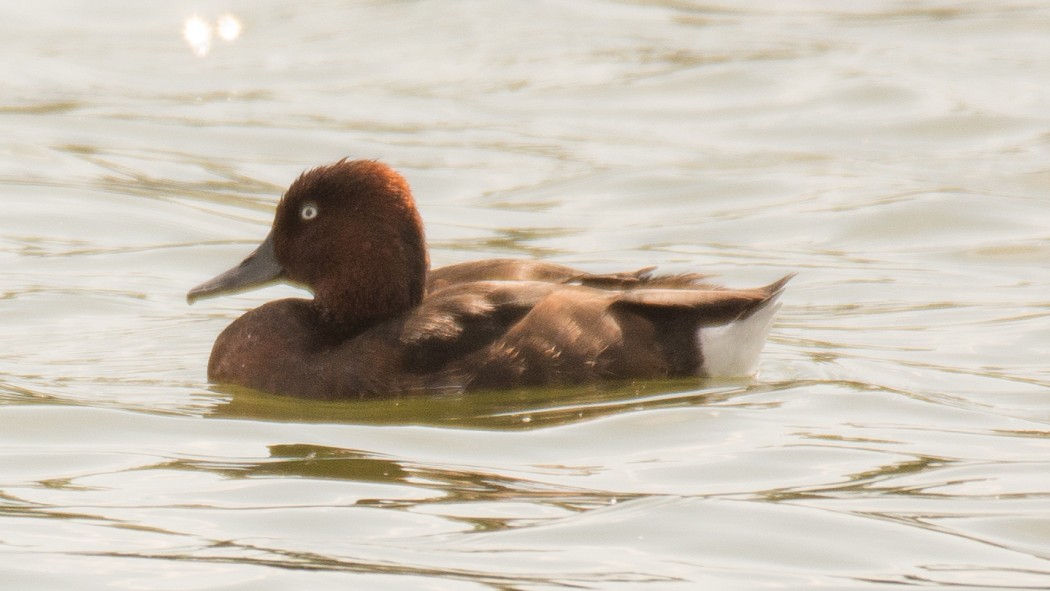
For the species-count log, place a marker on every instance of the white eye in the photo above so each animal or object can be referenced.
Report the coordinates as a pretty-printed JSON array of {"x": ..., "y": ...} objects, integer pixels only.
[{"x": 309, "y": 211}]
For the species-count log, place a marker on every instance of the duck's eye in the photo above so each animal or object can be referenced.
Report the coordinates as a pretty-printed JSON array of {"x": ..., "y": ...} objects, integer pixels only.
[{"x": 309, "y": 211}]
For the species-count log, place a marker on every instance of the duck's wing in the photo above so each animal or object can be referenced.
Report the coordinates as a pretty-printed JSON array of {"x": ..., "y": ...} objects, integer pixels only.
[
  {"x": 463, "y": 318},
  {"x": 498, "y": 333}
]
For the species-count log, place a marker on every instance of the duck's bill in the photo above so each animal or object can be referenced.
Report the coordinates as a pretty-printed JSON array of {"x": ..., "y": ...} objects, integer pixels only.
[{"x": 259, "y": 269}]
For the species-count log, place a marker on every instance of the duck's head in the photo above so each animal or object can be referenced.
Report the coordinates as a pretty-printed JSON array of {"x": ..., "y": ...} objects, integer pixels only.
[{"x": 350, "y": 233}]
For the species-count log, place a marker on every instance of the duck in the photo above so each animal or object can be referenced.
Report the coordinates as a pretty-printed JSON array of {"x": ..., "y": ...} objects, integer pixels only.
[{"x": 382, "y": 323}]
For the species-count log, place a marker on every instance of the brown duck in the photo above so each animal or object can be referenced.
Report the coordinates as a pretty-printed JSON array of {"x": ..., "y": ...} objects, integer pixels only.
[{"x": 381, "y": 322}]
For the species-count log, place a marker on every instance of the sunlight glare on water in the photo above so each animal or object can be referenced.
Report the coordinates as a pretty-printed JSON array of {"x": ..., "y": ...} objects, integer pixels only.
[
  {"x": 894, "y": 154},
  {"x": 228, "y": 27},
  {"x": 199, "y": 32}
]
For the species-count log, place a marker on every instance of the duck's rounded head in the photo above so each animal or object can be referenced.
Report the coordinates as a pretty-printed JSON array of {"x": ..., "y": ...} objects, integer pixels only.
[{"x": 350, "y": 233}]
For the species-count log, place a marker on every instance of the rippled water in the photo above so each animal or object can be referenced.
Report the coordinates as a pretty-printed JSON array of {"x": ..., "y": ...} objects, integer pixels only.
[{"x": 894, "y": 153}]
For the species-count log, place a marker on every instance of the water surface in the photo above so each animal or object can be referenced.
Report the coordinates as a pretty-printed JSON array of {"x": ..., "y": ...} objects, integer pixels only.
[{"x": 894, "y": 153}]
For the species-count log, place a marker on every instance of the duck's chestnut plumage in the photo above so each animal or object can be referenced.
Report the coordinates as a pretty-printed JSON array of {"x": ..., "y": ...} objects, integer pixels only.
[{"x": 381, "y": 322}]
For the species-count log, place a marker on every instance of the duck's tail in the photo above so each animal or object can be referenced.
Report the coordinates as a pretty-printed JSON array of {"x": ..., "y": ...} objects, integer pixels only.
[{"x": 732, "y": 349}]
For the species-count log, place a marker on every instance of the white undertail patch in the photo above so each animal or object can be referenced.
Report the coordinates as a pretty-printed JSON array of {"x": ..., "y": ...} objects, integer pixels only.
[{"x": 732, "y": 350}]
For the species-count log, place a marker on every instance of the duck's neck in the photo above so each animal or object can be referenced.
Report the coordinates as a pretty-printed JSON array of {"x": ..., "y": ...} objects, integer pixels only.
[{"x": 352, "y": 307}]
